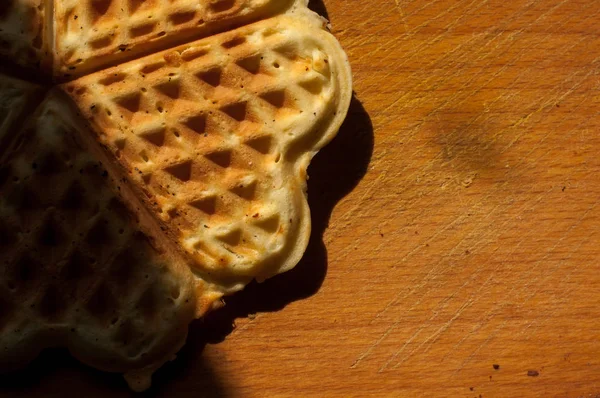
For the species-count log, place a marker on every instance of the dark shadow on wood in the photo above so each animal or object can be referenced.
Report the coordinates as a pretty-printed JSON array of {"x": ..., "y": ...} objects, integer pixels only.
[
  {"x": 191, "y": 373},
  {"x": 55, "y": 373},
  {"x": 318, "y": 7}
]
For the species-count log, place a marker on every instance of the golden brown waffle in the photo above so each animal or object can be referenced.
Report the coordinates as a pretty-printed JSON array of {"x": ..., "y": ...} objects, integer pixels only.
[
  {"x": 93, "y": 34},
  {"x": 185, "y": 180},
  {"x": 218, "y": 134},
  {"x": 23, "y": 32},
  {"x": 77, "y": 267}
]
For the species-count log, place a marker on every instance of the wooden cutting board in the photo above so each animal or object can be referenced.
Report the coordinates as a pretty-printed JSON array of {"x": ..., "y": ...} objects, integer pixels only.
[{"x": 455, "y": 250}]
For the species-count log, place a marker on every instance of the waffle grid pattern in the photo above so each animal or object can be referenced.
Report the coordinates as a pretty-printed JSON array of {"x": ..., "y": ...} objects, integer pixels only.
[
  {"x": 204, "y": 129},
  {"x": 91, "y": 30}
]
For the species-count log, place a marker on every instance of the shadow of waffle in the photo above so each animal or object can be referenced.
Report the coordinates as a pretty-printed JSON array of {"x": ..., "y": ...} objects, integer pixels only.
[
  {"x": 55, "y": 373},
  {"x": 318, "y": 7}
]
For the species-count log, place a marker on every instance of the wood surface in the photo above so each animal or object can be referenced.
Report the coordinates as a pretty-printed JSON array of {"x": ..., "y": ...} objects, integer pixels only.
[{"x": 456, "y": 222}]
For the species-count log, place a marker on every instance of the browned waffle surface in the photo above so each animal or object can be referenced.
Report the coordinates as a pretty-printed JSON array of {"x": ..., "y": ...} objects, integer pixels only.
[
  {"x": 96, "y": 33},
  {"x": 218, "y": 135},
  {"x": 76, "y": 268}
]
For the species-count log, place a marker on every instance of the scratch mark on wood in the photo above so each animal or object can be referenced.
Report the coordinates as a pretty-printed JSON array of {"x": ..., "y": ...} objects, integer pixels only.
[
  {"x": 402, "y": 16},
  {"x": 373, "y": 346},
  {"x": 406, "y": 344},
  {"x": 251, "y": 322},
  {"x": 435, "y": 334}
]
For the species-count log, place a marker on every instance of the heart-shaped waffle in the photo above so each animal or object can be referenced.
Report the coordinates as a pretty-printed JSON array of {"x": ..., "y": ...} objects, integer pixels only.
[{"x": 132, "y": 204}]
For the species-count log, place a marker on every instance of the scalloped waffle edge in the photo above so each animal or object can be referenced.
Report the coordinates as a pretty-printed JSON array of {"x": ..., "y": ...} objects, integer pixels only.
[{"x": 281, "y": 93}]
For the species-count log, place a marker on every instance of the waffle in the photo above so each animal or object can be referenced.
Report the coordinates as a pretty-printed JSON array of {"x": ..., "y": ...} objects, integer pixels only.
[
  {"x": 217, "y": 136},
  {"x": 133, "y": 198},
  {"x": 97, "y": 33},
  {"x": 23, "y": 33},
  {"x": 78, "y": 268}
]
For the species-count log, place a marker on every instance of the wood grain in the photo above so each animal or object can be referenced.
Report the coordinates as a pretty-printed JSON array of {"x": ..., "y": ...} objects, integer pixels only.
[{"x": 457, "y": 223}]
